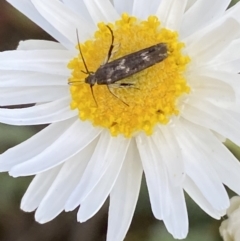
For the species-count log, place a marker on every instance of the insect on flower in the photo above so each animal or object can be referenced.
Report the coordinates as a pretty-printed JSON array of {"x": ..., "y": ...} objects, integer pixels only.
[{"x": 110, "y": 72}]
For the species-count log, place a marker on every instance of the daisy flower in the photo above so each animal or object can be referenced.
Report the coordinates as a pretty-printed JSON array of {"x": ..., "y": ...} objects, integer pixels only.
[
  {"x": 229, "y": 228},
  {"x": 167, "y": 121}
]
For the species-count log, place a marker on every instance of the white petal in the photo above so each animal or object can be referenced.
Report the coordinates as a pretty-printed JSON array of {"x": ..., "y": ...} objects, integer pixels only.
[
  {"x": 167, "y": 201},
  {"x": 205, "y": 114},
  {"x": 142, "y": 9},
  {"x": 233, "y": 12},
  {"x": 101, "y": 11},
  {"x": 231, "y": 66},
  {"x": 27, "y": 8},
  {"x": 170, "y": 13},
  {"x": 198, "y": 169},
  {"x": 62, "y": 187},
  {"x": 194, "y": 192},
  {"x": 177, "y": 221},
  {"x": 9, "y": 78},
  {"x": 34, "y": 44},
  {"x": 30, "y": 95},
  {"x": 213, "y": 42},
  {"x": 39, "y": 114},
  {"x": 167, "y": 144},
  {"x": 64, "y": 20},
  {"x": 33, "y": 146},
  {"x": 222, "y": 160},
  {"x": 156, "y": 175},
  {"x": 226, "y": 58},
  {"x": 219, "y": 137},
  {"x": 79, "y": 8},
  {"x": 38, "y": 188},
  {"x": 123, "y": 198},
  {"x": 72, "y": 141},
  {"x": 201, "y": 14},
  {"x": 211, "y": 89},
  {"x": 123, "y": 6},
  {"x": 190, "y": 3},
  {"x": 107, "y": 151},
  {"x": 231, "y": 79},
  {"x": 94, "y": 201},
  {"x": 46, "y": 61}
]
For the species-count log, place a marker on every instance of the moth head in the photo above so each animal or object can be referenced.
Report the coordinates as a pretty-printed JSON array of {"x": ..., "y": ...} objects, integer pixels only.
[{"x": 91, "y": 80}]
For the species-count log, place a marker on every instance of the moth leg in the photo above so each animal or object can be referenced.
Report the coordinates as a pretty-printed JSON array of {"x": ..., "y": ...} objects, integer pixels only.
[
  {"x": 122, "y": 85},
  {"x": 90, "y": 72},
  {"x": 128, "y": 85},
  {"x": 111, "y": 46},
  {"x": 115, "y": 49},
  {"x": 116, "y": 96}
]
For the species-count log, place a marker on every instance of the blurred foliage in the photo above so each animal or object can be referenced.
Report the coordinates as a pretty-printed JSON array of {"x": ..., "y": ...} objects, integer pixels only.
[
  {"x": 16, "y": 225},
  {"x": 233, "y": 2}
]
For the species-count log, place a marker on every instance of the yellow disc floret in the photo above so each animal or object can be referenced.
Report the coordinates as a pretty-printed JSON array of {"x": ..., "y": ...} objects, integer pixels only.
[{"x": 152, "y": 97}]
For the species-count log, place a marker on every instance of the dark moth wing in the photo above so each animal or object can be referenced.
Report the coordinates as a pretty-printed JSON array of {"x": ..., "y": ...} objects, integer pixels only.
[{"x": 130, "y": 64}]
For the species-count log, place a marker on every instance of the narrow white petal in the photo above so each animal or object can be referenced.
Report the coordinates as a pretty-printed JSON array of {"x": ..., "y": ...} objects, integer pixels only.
[
  {"x": 221, "y": 138},
  {"x": 72, "y": 141},
  {"x": 201, "y": 14},
  {"x": 123, "y": 6},
  {"x": 34, "y": 44},
  {"x": 198, "y": 169},
  {"x": 46, "y": 61},
  {"x": 64, "y": 20},
  {"x": 231, "y": 79},
  {"x": 169, "y": 148},
  {"x": 222, "y": 160},
  {"x": 205, "y": 114},
  {"x": 232, "y": 66},
  {"x": 107, "y": 151},
  {"x": 38, "y": 188},
  {"x": 177, "y": 221},
  {"x": 194, "y": 192},
  {"x": 94, "y": 201},
  {"x": 213, "y": 42},
  {"x": 167, "y": 200},
  {"x": 101, "y": 11},
  {"x": 170, "y": 13},
  {"x": 190, "y": 3},
  {"x": 123, "y": 198},
  {"x": 33, "y": 146},
  {"x": 79, "y": 8},
  {"x": 211, "y": 89},
  {"x": 9, "y": 78},
  {"x": 26, "y": 7},
  {"x": 30, "y": 95},
  {"x": 55, "y": 111},
  {"x": 227, "y": 58},
  {"x": 156, "y": 175},
  {"x": 233, "y": 12},
  {"x": 142, "y": 9},
  {"x": 62, "y": 187}
]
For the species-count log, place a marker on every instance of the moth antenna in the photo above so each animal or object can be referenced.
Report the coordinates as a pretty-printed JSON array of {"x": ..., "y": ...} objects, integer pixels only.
[
  {"x": 80, "y": 51},
  {"x": 91, "y": 87},
  {"x": 117, "y": 96}
]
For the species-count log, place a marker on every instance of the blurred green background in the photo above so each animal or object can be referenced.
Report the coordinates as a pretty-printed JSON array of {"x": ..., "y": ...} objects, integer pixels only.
[{"x": 15, "y": 225}]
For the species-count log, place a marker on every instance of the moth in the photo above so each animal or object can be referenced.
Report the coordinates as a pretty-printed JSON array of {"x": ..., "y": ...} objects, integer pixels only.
[{"x": 111, "y": 72}]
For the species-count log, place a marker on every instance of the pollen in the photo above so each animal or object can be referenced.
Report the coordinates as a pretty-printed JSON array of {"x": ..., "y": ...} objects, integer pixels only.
[{"x": 146, "y": 98}]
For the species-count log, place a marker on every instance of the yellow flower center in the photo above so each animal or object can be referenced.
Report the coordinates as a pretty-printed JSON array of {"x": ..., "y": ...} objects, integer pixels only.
[{"x": 152, "y": 96}]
